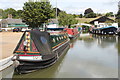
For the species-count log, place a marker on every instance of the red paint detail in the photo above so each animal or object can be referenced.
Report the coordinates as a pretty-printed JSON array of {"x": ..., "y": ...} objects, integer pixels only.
[
  {"x": 21, "y": 47},
  {"x": 34, "y": 47},
  {"x": 71, "y": 31},
  {"x": 29, "y": 55}
]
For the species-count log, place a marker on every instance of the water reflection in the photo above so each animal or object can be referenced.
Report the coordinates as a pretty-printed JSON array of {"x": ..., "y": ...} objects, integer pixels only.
[
  {"x": 105, "y": 41},
  {"x": 89, "y": 57},
  {"x": 118, "y": 56},
  {"x": 119, "y": 45}
]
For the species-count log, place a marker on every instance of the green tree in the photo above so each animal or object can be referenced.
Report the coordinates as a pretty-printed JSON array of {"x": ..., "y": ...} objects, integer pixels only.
[
  {"x": 110, "y": 14},
  {"x": 1, "y": 13},
  {"x": 75, "y": 15},
  {"x": 9, "y": 11},
  {"x": 58, "y": 11},
  {"x": 66, "y": 19},
  {"x": 118, "y": 17},
  {"x": 87, "y": 11},
  {"x": 98, "y": 14},
  {"x": 19, "y": 13},
  {"x": 36, "y": 13},
  {"x": 90, "y": 15},
  {"x": 80, "y": 16}
]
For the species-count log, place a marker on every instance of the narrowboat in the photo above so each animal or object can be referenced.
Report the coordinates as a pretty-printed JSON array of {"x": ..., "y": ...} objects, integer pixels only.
[
  {"x": 72, "y": 32},
  {"x": 110, "y": 30},
  {"x": 37, "y": 50}
]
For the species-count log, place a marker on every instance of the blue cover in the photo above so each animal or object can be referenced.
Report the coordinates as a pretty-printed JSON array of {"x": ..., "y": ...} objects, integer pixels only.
[{"x": 55, "y": 28}]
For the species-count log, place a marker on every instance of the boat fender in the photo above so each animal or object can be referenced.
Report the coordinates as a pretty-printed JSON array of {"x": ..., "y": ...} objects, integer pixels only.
[
  {"x": 57, "y": 55},
  {"x": 16, "y": 63},
  {"x": 15, "y": 57}
]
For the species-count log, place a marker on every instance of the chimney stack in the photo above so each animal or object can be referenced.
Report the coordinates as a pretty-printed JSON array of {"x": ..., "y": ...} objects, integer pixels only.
[{"x": 9, "y": 16}]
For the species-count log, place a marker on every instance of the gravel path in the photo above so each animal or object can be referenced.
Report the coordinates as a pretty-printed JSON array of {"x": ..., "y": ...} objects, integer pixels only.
[{"x": 8, "y": 42}]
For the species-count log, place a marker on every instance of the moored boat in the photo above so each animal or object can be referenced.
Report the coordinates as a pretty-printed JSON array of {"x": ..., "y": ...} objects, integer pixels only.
[
  {"x": 38, "y": 49},
  {"x": 118, "y": 31},
  {"x": 72, "y": 32},
  {"x": 110, "y": 30}
]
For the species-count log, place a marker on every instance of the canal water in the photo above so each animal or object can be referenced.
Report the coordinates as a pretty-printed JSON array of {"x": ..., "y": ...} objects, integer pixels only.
[{"x": 89, "y": 56}]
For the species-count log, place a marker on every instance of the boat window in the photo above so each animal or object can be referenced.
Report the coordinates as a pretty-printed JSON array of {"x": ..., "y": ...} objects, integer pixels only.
[
  {"x": 53, "y": 40},
  {"x": 64, "y": 36},
  {"x": 60, "y": 37},
  {"x": 57, "y": 39}
]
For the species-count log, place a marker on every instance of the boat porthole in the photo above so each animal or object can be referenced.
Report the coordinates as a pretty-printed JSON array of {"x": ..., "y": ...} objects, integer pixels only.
[
  {"x": 62, "y": 37},
  {"x": 54, "y": 40},
  {"x": 57, "y": 39}
]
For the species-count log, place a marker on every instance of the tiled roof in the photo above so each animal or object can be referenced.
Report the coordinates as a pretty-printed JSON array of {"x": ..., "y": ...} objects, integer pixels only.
[
  {"x": 102, "y": 19},
  {"x": 10, "y": 21}
]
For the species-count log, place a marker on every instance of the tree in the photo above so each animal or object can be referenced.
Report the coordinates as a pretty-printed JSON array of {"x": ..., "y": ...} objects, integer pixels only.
[
  {"x": 9, "y": 11},
  {"x": 90, "y": 15},
  {"x": 36, "y": 13},
  {"x": 87, "y": 11},
  {"x": 98, "y": 14},
  {"x": 75, "y": 15},
  {"x": 110, "y": 14},
  {"x": 1, "y": 13},
  {"x": 58, "y": 11},
  {"x": 19, "y": 13},
  {"x": 80, "y": 16},
  {"x": 118, "y": 17},
  {"x": 66, "y": 19}
]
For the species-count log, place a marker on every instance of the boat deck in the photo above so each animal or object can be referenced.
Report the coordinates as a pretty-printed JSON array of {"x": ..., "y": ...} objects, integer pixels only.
[{"x": 8, "y": 42}]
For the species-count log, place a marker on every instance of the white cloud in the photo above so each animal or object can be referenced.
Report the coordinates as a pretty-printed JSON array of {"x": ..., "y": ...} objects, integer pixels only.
[{"x": 70, "y": 6}]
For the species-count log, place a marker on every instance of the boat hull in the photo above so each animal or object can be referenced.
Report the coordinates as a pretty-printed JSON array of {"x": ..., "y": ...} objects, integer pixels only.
[
  {"x": 72, "y": 32},
  {"x": 74, "y": 36},
  {"x": 30, "y": 66},
  {"x": 104, "y": 31},
  {"x": 119, "y": 33}
]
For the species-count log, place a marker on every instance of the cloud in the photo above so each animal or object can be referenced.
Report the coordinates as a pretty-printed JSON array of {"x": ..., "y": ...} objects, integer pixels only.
[
  {"x": 70, "y": 6},
  {"x": 16, "y": 4}
]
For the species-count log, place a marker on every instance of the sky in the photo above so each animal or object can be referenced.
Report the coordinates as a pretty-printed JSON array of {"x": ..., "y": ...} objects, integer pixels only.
[{"x": 70, "y": 6}]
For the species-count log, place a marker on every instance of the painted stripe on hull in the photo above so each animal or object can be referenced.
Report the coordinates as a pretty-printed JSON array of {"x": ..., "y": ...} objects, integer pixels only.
[{"x": 30, "y": 58}]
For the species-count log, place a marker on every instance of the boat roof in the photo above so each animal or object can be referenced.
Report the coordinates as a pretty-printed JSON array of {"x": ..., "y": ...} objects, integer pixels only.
[
  {"x": 106, "y": 27},
  {"x": 56, "y": 32},
  {"x": 55, "y": 29}
]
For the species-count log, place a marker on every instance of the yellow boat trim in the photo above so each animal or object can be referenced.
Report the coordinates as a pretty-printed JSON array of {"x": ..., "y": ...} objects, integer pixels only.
[{"x": 59, "y": 44}]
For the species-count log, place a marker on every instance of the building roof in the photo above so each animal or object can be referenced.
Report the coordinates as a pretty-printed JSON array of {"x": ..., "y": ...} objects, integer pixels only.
[
  {"x": 102, "y": 19},
  {"x": 12, "y": 21}
]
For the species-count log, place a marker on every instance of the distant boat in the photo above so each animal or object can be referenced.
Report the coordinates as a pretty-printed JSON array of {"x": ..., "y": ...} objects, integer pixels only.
[
  {"x": 72, "y": 32},
  {"x": 110, "y": 30},
  {"x": 38, "y": 50},
  {"x": 118, "y": 31}
]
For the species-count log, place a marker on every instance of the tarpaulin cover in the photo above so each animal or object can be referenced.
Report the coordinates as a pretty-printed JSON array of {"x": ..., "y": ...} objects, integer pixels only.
[{"x": 41, "y": 41}]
